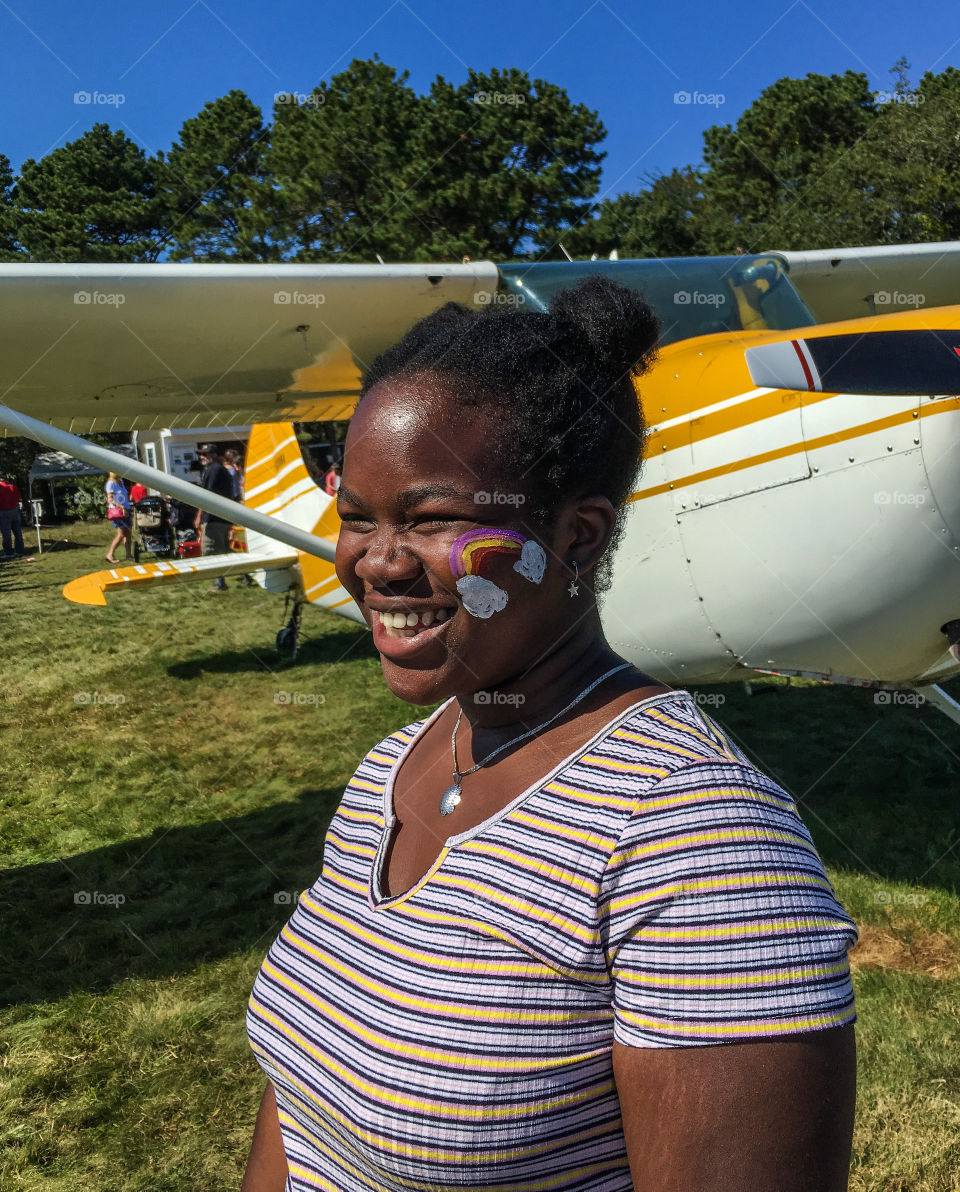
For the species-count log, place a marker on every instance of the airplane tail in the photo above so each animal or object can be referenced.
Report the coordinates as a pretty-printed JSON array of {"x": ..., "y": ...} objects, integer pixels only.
[{"x": 277, "y": 483}]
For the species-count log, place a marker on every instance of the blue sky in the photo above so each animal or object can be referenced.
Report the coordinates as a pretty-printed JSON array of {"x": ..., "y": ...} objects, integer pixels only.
[{"x": 624, "y": 59}]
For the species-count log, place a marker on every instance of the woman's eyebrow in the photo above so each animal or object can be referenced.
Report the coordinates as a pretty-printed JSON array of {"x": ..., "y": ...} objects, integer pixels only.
[
  {"x": 427, "y": 492},
  {"x": 411, "y": 497}
]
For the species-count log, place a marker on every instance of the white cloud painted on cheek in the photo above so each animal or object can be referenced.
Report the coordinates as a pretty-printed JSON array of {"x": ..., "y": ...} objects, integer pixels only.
[{"x": 481, "y": 597}]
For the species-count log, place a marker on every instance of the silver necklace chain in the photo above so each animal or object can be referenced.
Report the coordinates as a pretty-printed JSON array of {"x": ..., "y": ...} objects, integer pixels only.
[{"x": 451, "y": 796}]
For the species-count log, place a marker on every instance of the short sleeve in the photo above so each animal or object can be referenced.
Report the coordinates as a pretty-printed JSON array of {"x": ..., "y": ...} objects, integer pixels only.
[{"x": 719, "y": 921}]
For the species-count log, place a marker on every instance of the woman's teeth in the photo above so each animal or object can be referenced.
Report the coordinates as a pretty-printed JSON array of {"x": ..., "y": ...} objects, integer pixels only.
[{"x": 411, "y": 622}]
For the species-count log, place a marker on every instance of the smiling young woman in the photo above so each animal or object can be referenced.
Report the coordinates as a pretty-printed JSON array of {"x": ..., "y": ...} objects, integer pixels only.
[{"x": 566, "y": 936}]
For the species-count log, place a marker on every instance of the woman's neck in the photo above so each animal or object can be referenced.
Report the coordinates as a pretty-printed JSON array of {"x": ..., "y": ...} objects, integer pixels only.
[{"x": 543, "y": 687}]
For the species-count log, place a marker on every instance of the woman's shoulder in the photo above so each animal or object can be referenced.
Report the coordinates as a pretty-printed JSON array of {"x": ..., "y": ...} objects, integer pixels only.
[{"x": 667, "y": 731}]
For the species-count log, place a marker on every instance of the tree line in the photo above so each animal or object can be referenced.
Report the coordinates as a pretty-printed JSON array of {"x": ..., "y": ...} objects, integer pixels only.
[{"x": 502, "y": 166}]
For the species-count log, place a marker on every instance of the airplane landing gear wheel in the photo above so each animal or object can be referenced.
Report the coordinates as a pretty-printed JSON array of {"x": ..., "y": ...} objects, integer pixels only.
[{"x": 288, "y": 638}]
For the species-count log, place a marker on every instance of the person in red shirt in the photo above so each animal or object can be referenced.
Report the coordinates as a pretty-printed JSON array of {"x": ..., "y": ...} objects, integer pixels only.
[
  {"x": 10, "y": 525},
  {"x": 137, "y": 493}
]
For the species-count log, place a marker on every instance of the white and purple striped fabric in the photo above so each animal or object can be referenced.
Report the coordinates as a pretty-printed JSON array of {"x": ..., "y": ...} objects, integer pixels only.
[{"x": 654, "y": 889}]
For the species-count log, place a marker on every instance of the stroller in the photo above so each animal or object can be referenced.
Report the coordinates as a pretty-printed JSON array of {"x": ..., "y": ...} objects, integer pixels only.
[
  {"x": 154, "y": 534},
  {"x": 186, "y": 538}
]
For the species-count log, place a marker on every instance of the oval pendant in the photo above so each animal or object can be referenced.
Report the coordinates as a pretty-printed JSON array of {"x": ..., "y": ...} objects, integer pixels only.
[{"x": 450, "y": 799}]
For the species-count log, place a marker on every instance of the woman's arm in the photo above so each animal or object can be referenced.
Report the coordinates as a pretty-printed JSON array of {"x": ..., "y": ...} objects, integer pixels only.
[
  {"x": 768, "y": 1116},
  {"x": 267, "y": 1164}
]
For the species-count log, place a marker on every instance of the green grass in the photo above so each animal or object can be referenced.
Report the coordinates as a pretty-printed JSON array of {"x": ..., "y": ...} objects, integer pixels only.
[{"x": 198, "y": 799}]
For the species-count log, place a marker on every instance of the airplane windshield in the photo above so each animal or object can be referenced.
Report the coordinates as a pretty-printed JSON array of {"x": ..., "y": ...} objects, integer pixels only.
[{"x": 692, "y": 295}]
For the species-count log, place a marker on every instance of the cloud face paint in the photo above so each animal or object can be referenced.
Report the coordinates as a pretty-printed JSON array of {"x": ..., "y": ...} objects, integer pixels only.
[
  {"x": 472, "y": 552},
  {"x": 532, "y": 562}
]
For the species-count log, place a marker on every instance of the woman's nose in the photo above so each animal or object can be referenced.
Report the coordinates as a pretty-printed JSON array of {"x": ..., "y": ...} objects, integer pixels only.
[{"x": 387, "y": 561}]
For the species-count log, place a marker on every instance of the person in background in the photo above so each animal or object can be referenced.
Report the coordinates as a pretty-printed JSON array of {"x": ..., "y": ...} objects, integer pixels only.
[
  {"x": 10, "y": 525},
  {"x": 234, "y": 465},
  {"x": 331, "y": 482},
  {"x": 118, "y": 514},
  {"x": 137, "y": 493},
  {"x": 215, "y": 479}
]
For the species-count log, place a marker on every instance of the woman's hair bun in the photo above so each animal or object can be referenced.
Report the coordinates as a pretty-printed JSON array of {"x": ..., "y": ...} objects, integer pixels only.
[{"x": 601, "y": 318}]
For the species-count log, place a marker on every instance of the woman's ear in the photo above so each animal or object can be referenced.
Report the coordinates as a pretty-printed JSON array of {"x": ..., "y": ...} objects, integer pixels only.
[{"x": 587, "y": 526}]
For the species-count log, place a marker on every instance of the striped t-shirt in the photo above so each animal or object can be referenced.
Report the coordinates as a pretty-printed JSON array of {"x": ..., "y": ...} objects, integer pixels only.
[{"x": 654, "y": 889}]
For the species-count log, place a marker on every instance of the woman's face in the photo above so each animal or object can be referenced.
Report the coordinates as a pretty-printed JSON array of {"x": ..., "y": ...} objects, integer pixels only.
[{"x": 418, "y": 474}]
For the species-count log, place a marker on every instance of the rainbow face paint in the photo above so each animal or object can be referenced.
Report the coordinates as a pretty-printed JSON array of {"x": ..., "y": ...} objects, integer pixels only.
[{"x": 473, "y": 551}]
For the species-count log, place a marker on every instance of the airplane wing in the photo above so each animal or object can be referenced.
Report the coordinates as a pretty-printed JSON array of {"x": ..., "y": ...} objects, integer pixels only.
[
  {"x": 92, "y": 588},
  {"x": 125, "y": 347},
  {"x": 849, "y": 283}
]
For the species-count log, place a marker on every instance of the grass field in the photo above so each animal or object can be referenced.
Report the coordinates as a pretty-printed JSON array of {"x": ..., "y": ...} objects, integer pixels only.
[{"x": 163, "y": 802}]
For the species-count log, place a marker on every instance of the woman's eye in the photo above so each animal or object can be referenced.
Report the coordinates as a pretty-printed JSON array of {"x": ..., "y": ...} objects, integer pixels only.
[{"x": 437, "y": 519}]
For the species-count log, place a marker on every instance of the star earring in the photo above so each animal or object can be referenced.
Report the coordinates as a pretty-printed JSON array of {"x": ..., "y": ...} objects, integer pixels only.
[{"x": 574, "y": 588}]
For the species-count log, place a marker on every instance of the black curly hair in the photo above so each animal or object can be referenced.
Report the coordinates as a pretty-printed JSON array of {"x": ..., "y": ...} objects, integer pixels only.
[{"x": 568, "y": 420}]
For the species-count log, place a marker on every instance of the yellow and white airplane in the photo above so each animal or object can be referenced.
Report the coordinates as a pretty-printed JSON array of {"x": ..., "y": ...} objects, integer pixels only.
[{"x": 799, "y": 507}]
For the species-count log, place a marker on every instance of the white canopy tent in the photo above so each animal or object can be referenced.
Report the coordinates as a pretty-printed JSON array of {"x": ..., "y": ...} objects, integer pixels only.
[{"x": 54, "y": 466}]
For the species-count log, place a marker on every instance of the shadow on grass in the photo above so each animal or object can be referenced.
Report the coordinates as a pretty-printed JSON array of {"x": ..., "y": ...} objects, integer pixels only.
[
  {"x": 158, "y": 905},
  {"x": 320, "y": 650}
]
